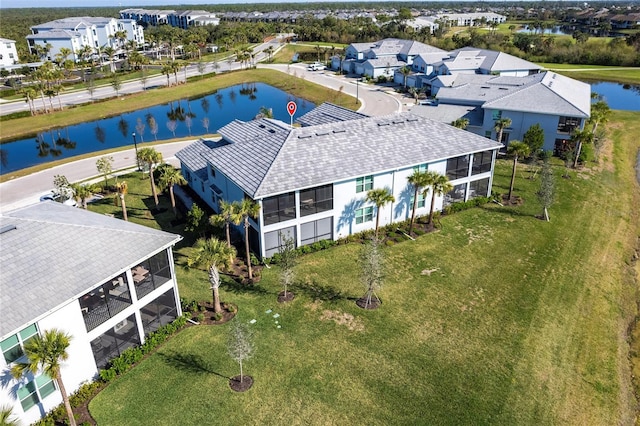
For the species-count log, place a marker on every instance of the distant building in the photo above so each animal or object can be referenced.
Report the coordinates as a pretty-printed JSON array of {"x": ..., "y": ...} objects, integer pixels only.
[
  {"x": 106, "y": 282},
  {"x": 78, "y": 32},
  {"x": 176, "y": 18},
  {"x": 8, "y": 53},
  {"x": 471, "y": 19}
]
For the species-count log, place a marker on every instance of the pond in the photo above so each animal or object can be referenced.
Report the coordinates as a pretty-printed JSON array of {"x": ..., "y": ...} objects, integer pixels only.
[
  {"x": 556, "y": 30},
  {"x": 619, "y": 96},
  {"x": 180, "y": 118}
]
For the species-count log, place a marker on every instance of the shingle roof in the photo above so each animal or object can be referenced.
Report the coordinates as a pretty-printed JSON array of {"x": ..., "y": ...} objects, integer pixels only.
[
  {"x": 488, "y": 60},
  {"x": 263, "y": 163},
  {"x": 54, "y": 34},
  {"x": 56, "y": 253},
  {"x": 328, "y": 113},
  {"x": 191, "y": 156}
]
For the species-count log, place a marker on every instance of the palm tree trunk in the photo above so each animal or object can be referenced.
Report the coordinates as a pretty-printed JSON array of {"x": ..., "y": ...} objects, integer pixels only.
[
  {"x": 216, "y": 300},
  {"x": 173, "y": 201},
  {"x": 575, "y": 159},
  {"x": 513, "y": 176},
  {"x": 433, "y": 204},
  {"x": 124, "y": 209},
  {"x": 153, "y": 185},
  {"x": 65, "y": 398},
  {"x": 413, "y": 211},
  {"x": 377, "y": 221},
  {"x": 246, "y": 244}
]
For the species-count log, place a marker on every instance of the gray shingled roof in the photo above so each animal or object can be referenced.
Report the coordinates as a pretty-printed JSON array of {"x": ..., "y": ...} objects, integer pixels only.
[
  {"x": 328, "y": 113},
  {"x": 54, "y": 34},
  {"x": 273, "y": 159},
  {"x": 191, "y": 156},
  {"x": 56, "y": 253}
]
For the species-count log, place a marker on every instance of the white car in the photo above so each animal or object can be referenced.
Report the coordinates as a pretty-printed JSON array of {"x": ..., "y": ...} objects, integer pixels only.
[
  {"x": 52, "y": 196},
  {"x": 316, "y": 66}
]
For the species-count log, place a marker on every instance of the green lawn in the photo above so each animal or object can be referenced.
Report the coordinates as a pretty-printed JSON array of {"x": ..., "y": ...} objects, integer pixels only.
[
  {"x": 597, "y": 72},
  {"x": 519, "y": 321}
]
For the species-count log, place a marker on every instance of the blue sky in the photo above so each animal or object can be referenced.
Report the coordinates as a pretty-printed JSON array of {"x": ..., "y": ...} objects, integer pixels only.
[{"x": 130, "y": 3}]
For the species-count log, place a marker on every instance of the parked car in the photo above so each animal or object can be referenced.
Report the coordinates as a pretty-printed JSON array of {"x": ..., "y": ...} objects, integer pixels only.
[
  {"x": 316, "y": 66},
  {"x": 52, "y": 196}
]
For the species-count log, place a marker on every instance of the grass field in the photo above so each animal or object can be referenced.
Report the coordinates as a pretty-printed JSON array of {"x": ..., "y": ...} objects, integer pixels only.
[
  {"x": 498, "y": 318},
  {"x": 597, "y": 72}
]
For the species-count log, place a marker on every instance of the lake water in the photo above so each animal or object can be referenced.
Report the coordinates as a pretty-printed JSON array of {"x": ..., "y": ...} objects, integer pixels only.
[
  {"x": 242, "y": 102},
  {"x": 557, "y": 30},
  {"x": 619, "y": 96}
]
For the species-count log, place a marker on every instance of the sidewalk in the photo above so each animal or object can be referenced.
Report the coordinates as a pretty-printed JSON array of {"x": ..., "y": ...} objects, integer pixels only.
[{"x": 27, "y": 190}]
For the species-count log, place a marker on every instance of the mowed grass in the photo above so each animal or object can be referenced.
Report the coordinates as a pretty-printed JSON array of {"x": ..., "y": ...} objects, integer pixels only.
[
  {"x": 497, "y": 318},
  {"x": 628, "y": 75}
]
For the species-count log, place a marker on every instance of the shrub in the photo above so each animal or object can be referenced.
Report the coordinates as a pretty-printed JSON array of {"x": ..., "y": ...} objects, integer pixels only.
[
  {"x": 254, "y": 260},
  {"x": 108, "y": 375},
  {"x": 217, "y": 316},
  {"x": 200, "y": 317},
  {"x": 389, "y": 243}
]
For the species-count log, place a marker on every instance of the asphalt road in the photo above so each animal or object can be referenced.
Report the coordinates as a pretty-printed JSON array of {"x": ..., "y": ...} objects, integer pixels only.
[{"x": 28, "y": 189}]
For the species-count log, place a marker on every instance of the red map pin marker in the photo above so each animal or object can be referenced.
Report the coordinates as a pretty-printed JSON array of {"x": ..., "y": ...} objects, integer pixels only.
[{"x": 291, "y": 108}]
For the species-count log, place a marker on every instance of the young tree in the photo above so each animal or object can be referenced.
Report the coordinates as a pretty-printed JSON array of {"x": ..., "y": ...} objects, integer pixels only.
[
  {"x": 62, "y": 187},
  {"x": 380, "y": 197},
  {"x": 170, "y": 176},
  {"x": 151, "y": 157},
  {"x": 46, "y": 353},
  {"x": 122, "y": 188},
  {"x": 196, "y": 221},
  {"x": 371, "y": 264},
  {"x": 248, "y": 209},
  {"x": 288, "y": 260},
  {"x": 546, "y": 191},
  {"x": 104, "y": 166},
  {"x": 240, "y": 345},
  {"x": 517, "y": 149},
  {"x": 579, "y": 138},
  {"x": 600, "y": 113},
  {"x": 440, "y": 185},
  {"x": 534, "y": 138},
  {"x": 116, "y": 83},
  {"x": 212, "y": 254}
]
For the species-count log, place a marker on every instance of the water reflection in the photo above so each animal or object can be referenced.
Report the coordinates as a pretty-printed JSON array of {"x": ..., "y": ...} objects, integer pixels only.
[{"x": 195, "y": 117}]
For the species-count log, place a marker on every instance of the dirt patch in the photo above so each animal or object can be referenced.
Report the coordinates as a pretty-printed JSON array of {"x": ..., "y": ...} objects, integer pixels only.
[
  {"x": 282, "y": 298},
  {"x": 241, "y": 386},
  {"x": 343, "y": 318},
  {"x": 228, "y": 312}
]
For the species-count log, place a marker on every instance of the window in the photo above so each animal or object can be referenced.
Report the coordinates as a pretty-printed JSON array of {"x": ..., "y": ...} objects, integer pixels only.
[
  {"x": 482, "y": 162},
  {"x": 456, "y": 195},
  {"x": 497, "y": 115},
  {"x": 115, "y": 340},
  {"x": 275, "y": 239},
  {"x": 458, "y": 167},
  {"x": 420, "y": 168},
  {"x": 213, "y": 171},
  {"x": 421, "y": 200},
  {"x": 479, "y": 188},
  {"x": 487, "y": 134},
  {"x": 279, "y": 208},
  {"x": 364, "y": 215},
  {"x": 159, "y": 312},
  {"x": 316, "y": 200},
  {"x": 10, "y": 55},
  {"x": 35, "y": 391},
  {"x": 364, "y": 183},
  {"x": 12, "y": 345},
  {"x": 151, "y": 274},
  {"x": 316, "y": 230},
  {"x": 105, "y": 301},
  {"x": 568, "y": 124}
]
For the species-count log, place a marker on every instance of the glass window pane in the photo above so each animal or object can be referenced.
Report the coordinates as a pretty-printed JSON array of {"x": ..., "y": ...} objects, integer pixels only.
[
  {"x": 28, "y": 332},
  {"x": 26, "y": 390},
  {"x": 29, "y": 401},
  {"x": 47, "y": 389},
  {"x": 9, "y": 342}
]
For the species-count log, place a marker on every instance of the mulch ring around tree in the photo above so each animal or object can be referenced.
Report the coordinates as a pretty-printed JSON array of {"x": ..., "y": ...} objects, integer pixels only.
[
  {"x": 240, "y": 272},
  {"x": 514, "y": 201},
  {"x": 238, "y": 386},
  {"x": 373, "y": 304},
  {"x": 288, "y": 298},
  {"x": 228, "y": 312}
]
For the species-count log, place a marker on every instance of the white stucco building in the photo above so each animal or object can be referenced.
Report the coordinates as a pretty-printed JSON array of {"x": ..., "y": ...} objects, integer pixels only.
[
  {"x": 76, "y": 32},
  {"x": 311, "y": 182},
  {"x": 8, "y": 53},
  {"x": 176, "y": 18},
  {"x": 106, "y": 282}
]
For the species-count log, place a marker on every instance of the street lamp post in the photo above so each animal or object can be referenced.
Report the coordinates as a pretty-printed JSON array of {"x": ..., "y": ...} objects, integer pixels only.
[
  {"x": 357, "y": 87},
  {"x": 135, "y": 144}
]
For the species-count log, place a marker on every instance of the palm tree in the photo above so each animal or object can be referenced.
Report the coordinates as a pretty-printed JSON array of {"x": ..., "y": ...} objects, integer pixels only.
[
  {"x": 151, "y": 157},
  {"x": 170, "y": 176},
  {"x": 269, "y": 51},
  {"x": 122, "y": 188},
  {"x": 82, "y": 192},
  {"x": 439, "y": 185},
  {"x": 167, "y": 70},
  {"x": 6, "y": 417},
  {"x": 111, "y": 53},
  {"x": 460, "y": 123},
  {"x": 419, "y": 180},
  {"x": 499, "y": 126},
  {"x": 229, "y": 214},
  {"x": 46, "y": 353},
  {"x": 248, "y": 208},
  {"x": 380, "y": 197},
  {"x": 579, "y": 138},
  {"x": 213, "y": 254},
  {"x": 600, "y": 112},
  {"x": 517, "y": 149},
  {"x": 405, "y": 71}
]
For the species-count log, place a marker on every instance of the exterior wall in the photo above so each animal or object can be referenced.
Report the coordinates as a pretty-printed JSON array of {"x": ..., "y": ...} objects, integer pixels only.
[
  {"x": 74, "y": 44},
  {"x": 8, "y": 53},
  {"x": 513, "y": 73},
  {"x": 81, "y": 367},
  {"x": 520, "y": 123},
  {"x": 352, "y": 53}
]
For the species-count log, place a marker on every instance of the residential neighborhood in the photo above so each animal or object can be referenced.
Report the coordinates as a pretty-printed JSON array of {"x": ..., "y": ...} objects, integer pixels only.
[{"x": 319, "y": 213}]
